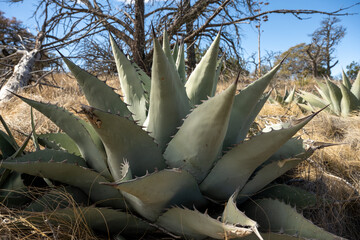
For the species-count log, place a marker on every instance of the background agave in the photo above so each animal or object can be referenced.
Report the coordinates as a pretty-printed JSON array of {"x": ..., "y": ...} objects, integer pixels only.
[
  {"x": 343, "y": 99},
  {"x": 287, "y": 98},
  {"x": 167, "y": 154}
]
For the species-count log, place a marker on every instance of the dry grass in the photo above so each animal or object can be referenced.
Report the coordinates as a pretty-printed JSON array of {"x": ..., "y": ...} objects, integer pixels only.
[
  {"x": 16, "y": 113},
  {"x": 332, "y": 173},
  {"x": 20, "y": 224}
]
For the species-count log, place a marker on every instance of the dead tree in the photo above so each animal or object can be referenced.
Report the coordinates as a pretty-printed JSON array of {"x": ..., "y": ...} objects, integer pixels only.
[
  {"x": 130, "y": 22},
  {"x": 71, "y": 21},
  {"x": 45, "y": 42}
]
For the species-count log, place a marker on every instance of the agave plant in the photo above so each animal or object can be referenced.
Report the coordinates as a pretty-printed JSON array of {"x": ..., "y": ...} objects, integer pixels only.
[
  {"x": 13, "y": 190},
  {"x": 343, "y": 98},
  {"x": 168, "y": 156},
  {"x": 287, "y": 98}
]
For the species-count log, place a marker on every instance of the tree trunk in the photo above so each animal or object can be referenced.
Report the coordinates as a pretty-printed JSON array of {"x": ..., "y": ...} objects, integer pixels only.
[
  {"x": 314, "y": 58},
  {"x": 259, "y": 53},
  {"x": 21, "y": 75},
  {"x": 314, "y": 69},
  {"x": 138, "y": 47},
  {"x": 190, "y": 52},
  {"x": 22, "y": 70}
]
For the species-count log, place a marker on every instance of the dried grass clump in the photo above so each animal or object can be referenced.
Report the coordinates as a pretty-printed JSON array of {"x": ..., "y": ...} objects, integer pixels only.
[
  {"x": 20, "y": 224},
  {"x": 342, "y": 160},
  {"x": 338, "y": 206}
]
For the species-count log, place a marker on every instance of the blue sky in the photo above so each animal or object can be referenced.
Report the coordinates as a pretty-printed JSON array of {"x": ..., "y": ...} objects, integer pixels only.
[{"x": 281, "y": 32}]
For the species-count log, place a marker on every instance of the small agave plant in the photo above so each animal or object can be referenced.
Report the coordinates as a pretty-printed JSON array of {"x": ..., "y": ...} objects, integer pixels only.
[
  {"x": 168, "y": 157},
  {"x": 343, "y": 98},
  {"x": 287, "y": 98}
]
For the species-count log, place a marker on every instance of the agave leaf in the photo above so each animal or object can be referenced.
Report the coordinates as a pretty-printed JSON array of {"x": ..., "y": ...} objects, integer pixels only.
[
  {"x": 234, "y": 216},
  {"x": 193, "y": 224},
  {"x": 244, "y": 104},
  {"x": 180, "y": 63},
  {"x": 93, "y": 134},
  {"x": 7, "y": 150},
  {"x": 349, "y": 98},
  {"x": 125, "y": 172},
  {"x": 10, "y": 138},
  {"x": 219, "y": 65},
  {"x": 286, "y": 94},
  {"x": 272, "y": 236},
  {"x": 167, "y": 50},
  {"x": 200, "y": 83},
  {"x": 72, "y": 174},
  {"x": 58, "y": 141},
  {"x": 277, "y": 216},
  {"x": 13, "y": 192},
  {"x": 313, "y": 100},
  {"x": 206, "y": 125},
  {"x": 294, "y": 196},
  {"x": 345, "y": 80},
  {"x": 131, "y": 85},
  {"x": 290, "y": 97},
  {"x": 114, "y": 221},
  {"x": 108, "y": 221},
  {"x": 291, "y": 148},
  {"x": 58, "y": 198},
  {"x": 355, "y": 88},
  {"x": 251, "y": 118},
  {"x": 323, "y": 87},
  {"x": 4, "y": 174},
  {"x": 324, "y": 93},
  {"x": 6, "y": 180},
  {"x": 20, "y": 151},
  {"x": 335, "y": 96},
  {"x": 6, "y": 146},
  {"x": 145, "y": 80},
  {"x": 125, "y": 140},
  {"x": 168, "y": 101},
  {"x": 345, "y": 104},
  {"x": 306, "y": 107},
  {"x": 34, "y": 135},
  {"x": 152, "y": 194},
  {"x": 97, "y": 93},
  {"x": 336, "y": 89},
  {"x": 286, "y": 158},
  {"x": 241, "y": 161},
  {"x": 75, "y": 130},
  {"x": 175, "y": 51},
  {"x": 49, "y": 155}
]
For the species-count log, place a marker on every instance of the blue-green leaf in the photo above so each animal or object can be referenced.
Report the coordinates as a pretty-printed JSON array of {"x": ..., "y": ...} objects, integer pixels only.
[
  {"x": 130, "y": 82},
  {"x": 234, "y": 169},
  {"x": 73, "y": 127},
  {"x": 244, "y": 104},
  {"x": 197, "y": 143},
  {"x": 200, "y": 83},
  {"x": 124, "y": 140},
  {"x": 168, "y": 101},
  {"x": 152, "y": 194},
  {"x": 192, "y": 224}
]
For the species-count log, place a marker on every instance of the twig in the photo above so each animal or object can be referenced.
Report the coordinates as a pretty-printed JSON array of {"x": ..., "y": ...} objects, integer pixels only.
[
  {"x": 355, "y": 189},
  {"x": 38, "y": 82}
]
